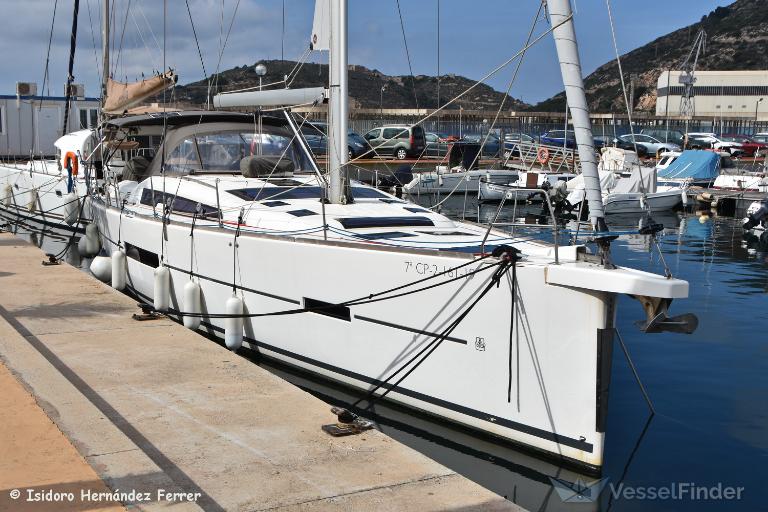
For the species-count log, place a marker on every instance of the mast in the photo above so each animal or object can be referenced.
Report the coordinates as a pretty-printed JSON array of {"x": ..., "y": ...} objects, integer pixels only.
[
  {"x": 104, "y": 53},
  {"x": 570, "y": 68},
  {"x": 338, "y": 101}
]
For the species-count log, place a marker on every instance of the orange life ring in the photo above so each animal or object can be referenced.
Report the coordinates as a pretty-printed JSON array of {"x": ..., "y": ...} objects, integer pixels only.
[
  {"x": 542, "y": 155},
  {"x": 71, "y": 159}
]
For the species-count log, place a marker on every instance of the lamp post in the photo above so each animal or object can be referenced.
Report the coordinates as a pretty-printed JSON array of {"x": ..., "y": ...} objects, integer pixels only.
[
  {"x": 757, "y": 104},
  {"x": 260, "y": 70},
  {"x": 381, "y": 103}
]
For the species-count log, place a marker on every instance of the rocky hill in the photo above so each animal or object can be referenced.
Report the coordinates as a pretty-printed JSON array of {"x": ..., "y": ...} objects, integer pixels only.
[
  {"x": 737, "y": 38},
  {"x": 364, "y": 87}
]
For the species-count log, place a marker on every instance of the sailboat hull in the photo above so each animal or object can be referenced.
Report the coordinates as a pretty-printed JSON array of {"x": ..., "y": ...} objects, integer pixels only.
[{"x": 538, "y": 384}]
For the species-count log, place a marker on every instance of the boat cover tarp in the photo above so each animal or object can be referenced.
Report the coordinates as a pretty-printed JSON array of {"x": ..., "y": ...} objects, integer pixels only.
[
  {"x": 576, "y": 185},
  {"x": 122, "y": 96},
  {"x": 640, "y": 180},
  {"x": 617, "y": 159},
  {"x": 693, "y": 163}
]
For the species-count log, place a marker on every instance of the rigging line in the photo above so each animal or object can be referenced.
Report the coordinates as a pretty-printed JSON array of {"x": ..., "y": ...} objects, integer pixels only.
[
  {"x": 501, "y": 107},
  {"x": 226, "y": 39},
  {"x": 122, "y": 35},
  {"x": 48, "y": 54},
  {"x": 70, "y": 78},
  {"x": 407, "y": 54},
  {"x": 429, "y": 348},
  {"x": 626, "y": 98},
  {"x": 197, "y": 42},
  {"x": 143, "y": 41},
  {"x": 149, "y": 27},
  {"x": 478, "y": 82},
  {"x": 93, "y": 41}
]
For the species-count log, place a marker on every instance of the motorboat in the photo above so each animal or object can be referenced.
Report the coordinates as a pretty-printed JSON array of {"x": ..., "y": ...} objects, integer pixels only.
[
  {"x": 692, "y": 167},
  {"x": 525, "y": 184}
]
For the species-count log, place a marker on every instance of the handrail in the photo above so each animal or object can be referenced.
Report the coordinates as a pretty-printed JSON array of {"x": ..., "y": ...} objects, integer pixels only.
[{"x": 555, "y": 226}]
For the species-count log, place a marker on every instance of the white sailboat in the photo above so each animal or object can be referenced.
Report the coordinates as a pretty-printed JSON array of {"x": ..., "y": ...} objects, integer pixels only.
[{"x": 232, "y": 227}]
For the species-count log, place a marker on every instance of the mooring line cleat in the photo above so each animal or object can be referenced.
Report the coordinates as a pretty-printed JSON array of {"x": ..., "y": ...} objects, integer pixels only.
[
  {"x": 349, "y": 423},
  {"x": 147, "y": 313},
  {"x": 51, "y": 261}
]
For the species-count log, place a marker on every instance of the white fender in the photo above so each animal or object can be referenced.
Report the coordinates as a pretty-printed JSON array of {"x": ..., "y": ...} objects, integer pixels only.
[
  {"x": 233, "y": 327},
  {"x": 119, "y": 270},
  {"x": 81, "y": 247},
  {"x": 162, "y": 289},
  {"x": 684, "y": 196},
  {"x": 101, "y": 268},
  {"x": 71, "y": 208},
  {"x": 32, "y": 204},
  {"x": 8, "y": 195},
  {"x": 192, "y": 305},
  {"x": 92, "y": 241}
]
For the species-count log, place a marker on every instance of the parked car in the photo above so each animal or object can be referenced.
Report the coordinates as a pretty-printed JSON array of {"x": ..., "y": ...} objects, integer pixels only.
[
  {"x": 492, "y": 145},
  {"x": 749, "y": 146},
  {"x": 437, "y": 144},
  {"x": 642, "y": 151},
  {"x": 761, "y": 137},
  {"x": 673, "y": 136},
  {"x": 512, "y": 142},
  {"x": 316, "y": 136},
  {"x": 558, "y": 138},
  {"x": 653, "y": 145},
  {"x": 708, "y": 140},
  {"x": 400, "y": 141}
]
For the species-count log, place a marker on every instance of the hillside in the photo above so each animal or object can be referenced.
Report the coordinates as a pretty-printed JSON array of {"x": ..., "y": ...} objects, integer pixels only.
[
  {"x": 364, "y": 87},
  {"x": 737, "y": 38}
]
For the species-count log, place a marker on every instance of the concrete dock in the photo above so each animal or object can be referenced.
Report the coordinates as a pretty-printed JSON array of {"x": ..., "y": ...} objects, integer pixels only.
[{"x": 162, "y": 417}]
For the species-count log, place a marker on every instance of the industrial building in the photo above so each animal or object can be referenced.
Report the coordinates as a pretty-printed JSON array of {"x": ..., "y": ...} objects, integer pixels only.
[
  {"x": 717, "y": 94},
  {"x": 30, "y": 124}
]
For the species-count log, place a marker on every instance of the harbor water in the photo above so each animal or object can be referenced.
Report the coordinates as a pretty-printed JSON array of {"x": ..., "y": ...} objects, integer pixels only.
[{"x": 709, "y": 389}]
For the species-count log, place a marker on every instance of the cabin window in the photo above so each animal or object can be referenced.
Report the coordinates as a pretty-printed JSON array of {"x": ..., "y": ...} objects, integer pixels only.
[
  {"x": 384, "y": 222},
  {"x": 177, "y": 204},
  {"x": 183, "y": 159}
]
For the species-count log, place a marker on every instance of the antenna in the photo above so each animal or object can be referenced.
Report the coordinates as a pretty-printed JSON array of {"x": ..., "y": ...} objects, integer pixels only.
[{"x": 687, "y": 76}]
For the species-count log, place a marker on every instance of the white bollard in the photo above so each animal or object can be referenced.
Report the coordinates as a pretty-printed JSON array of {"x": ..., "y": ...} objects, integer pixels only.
[
  {"x": 192, "y": 305},
  {"x": 71, "y": 208},
  {"x": 101, "y": 268},
  {"x": 233, "y": 326},
  {"x": 119, "y": 270},
  {"x": 162, "y": 294}
]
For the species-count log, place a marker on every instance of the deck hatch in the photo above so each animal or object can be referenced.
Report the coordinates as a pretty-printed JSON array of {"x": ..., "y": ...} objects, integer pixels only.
[
  {"x": 302, "y": 213},
  {"x": 384, "y": 222}
]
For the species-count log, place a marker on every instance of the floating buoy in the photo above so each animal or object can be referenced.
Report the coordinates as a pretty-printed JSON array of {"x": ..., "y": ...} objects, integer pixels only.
[
  {"x": 92, "y": 242},
  {"x": 32, "y": 204},
  {"x": 101, "y": 268},
  {"x": 8, "y": 195},
  {"x": 119, "y": 270},
  {"x": 162, "y": 288},
  {"x": 233, "y": 326},
  {"x": 192, "y": 305},
  {"x": 71, "y": 208}
]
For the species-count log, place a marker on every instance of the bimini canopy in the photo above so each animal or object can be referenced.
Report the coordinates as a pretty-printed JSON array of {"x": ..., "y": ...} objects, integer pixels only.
[{"x": 693, "y": 163}]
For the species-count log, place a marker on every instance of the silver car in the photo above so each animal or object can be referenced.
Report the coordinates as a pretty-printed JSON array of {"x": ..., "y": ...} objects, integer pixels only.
[{"x": 652, "y": 144}]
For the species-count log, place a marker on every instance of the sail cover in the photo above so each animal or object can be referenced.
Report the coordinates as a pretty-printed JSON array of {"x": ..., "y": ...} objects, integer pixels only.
[
  {"x": 321, "y": 26},
  {"x": 122, "y": 96},
  {"x": 693, "y": 163}
]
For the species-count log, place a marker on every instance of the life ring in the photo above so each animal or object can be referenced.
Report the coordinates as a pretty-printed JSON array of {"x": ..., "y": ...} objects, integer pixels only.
[
  {"x": 71, "y": 159},
  {"x": 542, "y": 155}
]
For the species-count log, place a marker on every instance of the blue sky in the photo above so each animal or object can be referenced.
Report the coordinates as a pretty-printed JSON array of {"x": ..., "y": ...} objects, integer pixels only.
[{"x": 475, "y": 37}]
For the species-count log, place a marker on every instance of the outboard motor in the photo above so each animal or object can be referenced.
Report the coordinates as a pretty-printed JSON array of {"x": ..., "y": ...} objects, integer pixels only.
[{"x": 759, "y": 216}]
